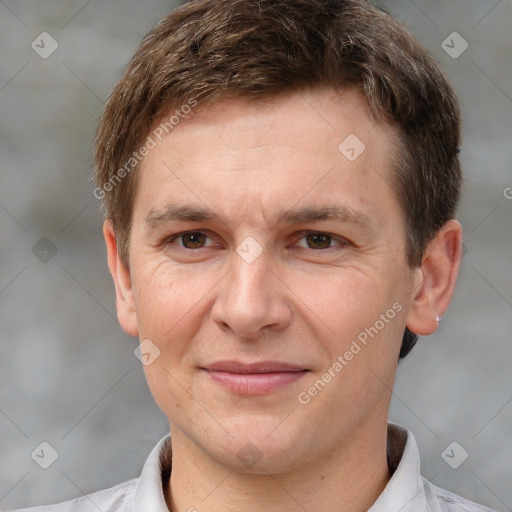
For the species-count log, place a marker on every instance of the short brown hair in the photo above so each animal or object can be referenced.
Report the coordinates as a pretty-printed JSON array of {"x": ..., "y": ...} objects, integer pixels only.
[{"x": 257, "y": 49}]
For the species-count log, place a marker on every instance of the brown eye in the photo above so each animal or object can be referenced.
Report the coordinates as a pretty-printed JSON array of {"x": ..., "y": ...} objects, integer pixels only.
[
  {"x": 193, "y": 240},
  {"x": 319, "y": 241}
]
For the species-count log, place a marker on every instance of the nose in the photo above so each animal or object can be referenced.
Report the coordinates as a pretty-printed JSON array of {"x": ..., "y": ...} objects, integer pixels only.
[{"x": 252, "y": 299}]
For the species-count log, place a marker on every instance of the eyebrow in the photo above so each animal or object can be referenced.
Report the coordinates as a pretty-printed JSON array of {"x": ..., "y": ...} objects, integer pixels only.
[{"x": 188, "y": 213}]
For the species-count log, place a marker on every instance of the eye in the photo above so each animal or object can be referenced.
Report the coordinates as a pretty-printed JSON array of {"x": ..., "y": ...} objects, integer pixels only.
[
  {"x": 315, "y": 240},
  {"x": 312, "y": 240},
  {"x": 190, "y": 240}
]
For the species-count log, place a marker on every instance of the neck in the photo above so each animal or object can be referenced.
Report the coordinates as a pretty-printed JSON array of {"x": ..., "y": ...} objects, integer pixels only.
[{"x": 350, "y": 479}]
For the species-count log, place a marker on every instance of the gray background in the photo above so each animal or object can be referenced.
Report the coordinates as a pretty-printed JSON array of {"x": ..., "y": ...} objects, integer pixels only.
[{"x": 68, "y": 374}]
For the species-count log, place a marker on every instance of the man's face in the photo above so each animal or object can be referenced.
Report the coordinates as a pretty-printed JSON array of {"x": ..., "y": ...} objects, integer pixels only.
[{"x": 252, "y": 307}]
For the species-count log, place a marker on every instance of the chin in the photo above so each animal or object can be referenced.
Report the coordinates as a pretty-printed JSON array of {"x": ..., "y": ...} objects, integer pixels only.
[{"x": 256, "y": 446}]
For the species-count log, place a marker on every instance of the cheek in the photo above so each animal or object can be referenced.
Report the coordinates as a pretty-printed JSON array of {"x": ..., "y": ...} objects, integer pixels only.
[
  {"x": 172, "y": 304},
  {"x": 342, "y": 301},
  {"x": 167, "y": 305},
  {"x": 359, "y": 319},
  {"x": 162, "y": 303}
]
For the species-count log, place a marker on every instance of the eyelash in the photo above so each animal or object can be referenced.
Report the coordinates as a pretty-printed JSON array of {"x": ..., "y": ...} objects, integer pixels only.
[{"x": 342, "y": 242}]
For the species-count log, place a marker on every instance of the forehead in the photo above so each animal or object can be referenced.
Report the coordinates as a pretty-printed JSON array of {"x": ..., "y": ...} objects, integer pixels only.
[
  {"x": 300, "y": 116},
  {"x": 239, "y": 155}
]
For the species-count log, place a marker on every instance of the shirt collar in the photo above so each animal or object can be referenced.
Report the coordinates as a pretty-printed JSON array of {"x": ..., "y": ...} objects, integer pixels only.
[
  {"x": 149, "y": 494},
  {"x": 403, "y": 493},
  {"x": 405, "y": 490}
]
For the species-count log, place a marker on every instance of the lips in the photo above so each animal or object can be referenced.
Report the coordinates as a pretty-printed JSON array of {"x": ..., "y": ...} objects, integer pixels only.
[
  {"x": 254, "y": 378},
  {"x": 261, "y": 367}
]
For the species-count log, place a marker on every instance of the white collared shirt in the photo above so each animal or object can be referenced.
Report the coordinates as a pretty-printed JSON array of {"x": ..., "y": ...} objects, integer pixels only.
[{"x": 406, "y": 491}]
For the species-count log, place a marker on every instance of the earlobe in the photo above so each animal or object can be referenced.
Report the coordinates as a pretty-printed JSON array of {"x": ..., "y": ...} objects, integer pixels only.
[
  {"x": 125, "y": 303},
  {"x": 435, "y": 279}
]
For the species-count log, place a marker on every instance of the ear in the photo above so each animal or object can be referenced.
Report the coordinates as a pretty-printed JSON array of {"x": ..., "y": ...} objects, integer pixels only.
[
  {"x": 435, "y": 279},
  {"x": 125, "y": 303}
]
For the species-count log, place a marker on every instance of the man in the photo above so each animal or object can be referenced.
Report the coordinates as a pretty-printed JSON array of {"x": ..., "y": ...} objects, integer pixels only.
[{"x": 280, "y": 181}]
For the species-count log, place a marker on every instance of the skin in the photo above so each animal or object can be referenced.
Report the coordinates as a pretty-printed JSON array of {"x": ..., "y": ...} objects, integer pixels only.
[{"x": 199, "y": 302}]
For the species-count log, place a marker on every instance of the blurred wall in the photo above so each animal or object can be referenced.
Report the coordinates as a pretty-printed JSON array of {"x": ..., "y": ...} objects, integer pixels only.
[{"x": 68, "y": 375}]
